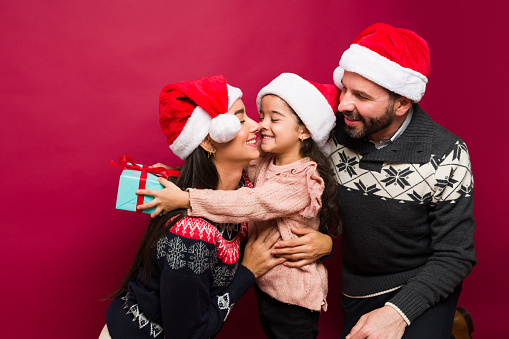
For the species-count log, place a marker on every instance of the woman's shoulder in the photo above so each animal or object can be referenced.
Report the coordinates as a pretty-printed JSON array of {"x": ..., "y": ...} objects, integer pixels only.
[
  {"x": 200, "y": 229},
  {"x": 195, "y": 228},
  {"x": 190, "y": 232}
]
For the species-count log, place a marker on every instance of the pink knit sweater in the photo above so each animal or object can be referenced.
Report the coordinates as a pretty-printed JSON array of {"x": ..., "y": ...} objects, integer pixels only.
[{"x": 286, "y": 196}]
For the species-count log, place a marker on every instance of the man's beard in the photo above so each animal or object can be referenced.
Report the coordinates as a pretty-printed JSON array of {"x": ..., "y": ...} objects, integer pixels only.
[{"x": 370, "y": 126}]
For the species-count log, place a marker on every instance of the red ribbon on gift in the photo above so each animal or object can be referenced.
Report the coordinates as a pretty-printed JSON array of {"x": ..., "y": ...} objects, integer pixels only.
[{"x": 128, "y": 163}]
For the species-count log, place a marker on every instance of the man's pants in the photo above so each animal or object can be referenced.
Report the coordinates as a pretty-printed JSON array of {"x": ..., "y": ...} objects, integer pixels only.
[{"x": 436, "y": 322}]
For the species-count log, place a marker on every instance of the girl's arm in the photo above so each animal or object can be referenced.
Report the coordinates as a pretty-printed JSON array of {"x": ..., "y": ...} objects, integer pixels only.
[
  {"x": 270, "y": 201},
  {"x": 166, "y": 200},
  {"x": 279, "y": 197}
]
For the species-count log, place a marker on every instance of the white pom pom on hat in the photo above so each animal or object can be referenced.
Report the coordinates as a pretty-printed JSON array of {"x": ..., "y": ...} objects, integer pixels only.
[
  {"x": 224, "y": 127},
  {"x": 189, "y": 110}
]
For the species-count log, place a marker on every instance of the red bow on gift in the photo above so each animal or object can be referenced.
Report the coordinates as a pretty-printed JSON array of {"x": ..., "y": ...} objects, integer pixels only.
[{"x": 128, "y": 163}]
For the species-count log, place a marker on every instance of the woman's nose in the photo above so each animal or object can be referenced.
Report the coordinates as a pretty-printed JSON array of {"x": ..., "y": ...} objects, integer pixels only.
[{"x": 253, "y": 125}]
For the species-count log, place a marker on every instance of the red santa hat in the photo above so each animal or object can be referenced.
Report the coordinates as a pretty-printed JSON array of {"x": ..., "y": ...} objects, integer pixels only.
[
  {"x": 189, "y": 110},
  {"x": 314, "y": 103},
  {"x": 394, "y": 58}
]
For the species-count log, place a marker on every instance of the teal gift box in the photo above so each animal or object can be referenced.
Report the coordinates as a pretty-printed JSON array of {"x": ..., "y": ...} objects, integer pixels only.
[
  {"x": 134, "y": 177},
  {"x": 129, "y": 183}
]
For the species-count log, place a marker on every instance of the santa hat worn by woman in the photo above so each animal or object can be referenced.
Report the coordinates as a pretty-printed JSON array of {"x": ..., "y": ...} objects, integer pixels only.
[
  {"x": 394, "y": 58},
  {"x": 189, "y": 110},
  {"x": 314, "y": 103}
]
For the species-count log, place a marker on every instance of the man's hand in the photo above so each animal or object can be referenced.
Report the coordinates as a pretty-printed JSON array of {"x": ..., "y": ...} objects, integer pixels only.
[
  {"x": 258, "y": 256},
  {"x": 166, "y": 200},
  {"x": 310, "y": 246},
  {"x": 382, "y": 323}
]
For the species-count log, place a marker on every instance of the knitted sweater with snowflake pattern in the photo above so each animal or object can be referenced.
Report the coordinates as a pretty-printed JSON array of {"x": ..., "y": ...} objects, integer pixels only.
[
  {"x": 407, "y": 214},
  {"x": 196, "y": 280}
]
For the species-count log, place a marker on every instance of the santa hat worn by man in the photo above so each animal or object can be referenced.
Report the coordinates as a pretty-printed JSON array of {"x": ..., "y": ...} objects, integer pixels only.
[
  {"x": 314, "y": 103},
  {"x": 189, "y": 110},
  {"x": 394, "y": 58}
]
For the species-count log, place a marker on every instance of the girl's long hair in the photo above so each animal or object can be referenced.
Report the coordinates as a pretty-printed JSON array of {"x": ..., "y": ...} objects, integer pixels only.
[
  {"x": 329, "y": 214},
  {"x": 198, "y": 171}
]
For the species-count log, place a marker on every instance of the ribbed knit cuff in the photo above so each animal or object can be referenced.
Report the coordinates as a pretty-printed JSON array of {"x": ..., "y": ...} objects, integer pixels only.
[
  {"x": 399, "y": 311},
  {"x": 410, "y": 305},
  {"x": 195, "y": 203}
]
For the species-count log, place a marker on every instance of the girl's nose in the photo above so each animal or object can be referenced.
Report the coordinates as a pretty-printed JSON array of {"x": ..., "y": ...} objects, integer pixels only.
[{"x": 262, "y": 124}]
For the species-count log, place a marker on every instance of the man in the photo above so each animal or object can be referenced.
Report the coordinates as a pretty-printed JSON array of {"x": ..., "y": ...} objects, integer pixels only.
[{"x": 405, "y": 195}]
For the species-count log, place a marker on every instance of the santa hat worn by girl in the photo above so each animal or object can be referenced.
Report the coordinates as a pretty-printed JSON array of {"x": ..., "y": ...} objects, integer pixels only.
[
  {"x": 314, "y": 103},
  {"x": 394, "y": 58},
  {"x": 189, "y": 110}
]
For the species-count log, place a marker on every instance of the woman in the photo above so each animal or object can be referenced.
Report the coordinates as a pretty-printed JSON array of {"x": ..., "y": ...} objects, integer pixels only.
[{"x": 187, "y": 275}]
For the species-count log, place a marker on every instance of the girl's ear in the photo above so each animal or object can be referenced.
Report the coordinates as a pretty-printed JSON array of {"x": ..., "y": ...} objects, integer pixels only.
[
  {"x": 304, "y": 133},
  {"x": 206, "y": 144}
]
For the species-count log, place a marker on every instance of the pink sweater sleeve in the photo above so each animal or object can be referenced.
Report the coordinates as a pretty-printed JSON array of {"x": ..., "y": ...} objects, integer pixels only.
[{"x": 283, "y": 195}]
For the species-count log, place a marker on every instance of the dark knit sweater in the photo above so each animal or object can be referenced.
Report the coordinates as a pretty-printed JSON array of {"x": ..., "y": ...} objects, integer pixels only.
[
  {"x": 408, "y": 214},
  {"x": 196, "y": 280}
]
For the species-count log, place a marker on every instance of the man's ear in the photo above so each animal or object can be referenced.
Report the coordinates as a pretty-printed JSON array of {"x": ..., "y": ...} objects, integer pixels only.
[
  {"x": 206, "y": 144},
  {"x": 402, "y": 105}
]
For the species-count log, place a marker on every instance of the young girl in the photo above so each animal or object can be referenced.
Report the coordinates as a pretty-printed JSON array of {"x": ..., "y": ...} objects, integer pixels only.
[
  {"x": 186, "y": 276},
  {"x": 294, "y": 187}
]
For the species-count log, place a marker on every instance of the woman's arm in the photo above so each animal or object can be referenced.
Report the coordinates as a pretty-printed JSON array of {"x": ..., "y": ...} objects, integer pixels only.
[
  {"x": 258, "y": 253},
  {"x": 188, "y": 309},
  {"x": 310, "y": 246}
]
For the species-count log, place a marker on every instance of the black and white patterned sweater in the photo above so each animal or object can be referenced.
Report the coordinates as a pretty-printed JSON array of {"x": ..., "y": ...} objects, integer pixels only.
[
  {"x": 408, "y": 214},
  {"x": 196, "y": 280}
]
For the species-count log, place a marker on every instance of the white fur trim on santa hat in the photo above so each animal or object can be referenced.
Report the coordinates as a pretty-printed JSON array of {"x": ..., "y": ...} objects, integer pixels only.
[
  {"x": 307, "y": 101},
  {"x": 193, "y": 133},
  {"x": 234, "y": 93},
  {"x": 382, "y": 71}
]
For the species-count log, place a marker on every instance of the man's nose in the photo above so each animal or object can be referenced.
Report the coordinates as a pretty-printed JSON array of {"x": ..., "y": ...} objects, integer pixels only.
[{"x": 346, "y": 104}]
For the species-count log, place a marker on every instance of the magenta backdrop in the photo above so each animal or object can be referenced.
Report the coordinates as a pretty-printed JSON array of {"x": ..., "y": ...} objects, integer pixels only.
[{"x": 79, "y": 87}]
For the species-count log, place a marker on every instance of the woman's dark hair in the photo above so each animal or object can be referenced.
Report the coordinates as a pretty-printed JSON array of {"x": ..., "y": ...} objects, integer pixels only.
[
  {"x": 330, "y": 217},
  {"x": 198, "y": 171}
]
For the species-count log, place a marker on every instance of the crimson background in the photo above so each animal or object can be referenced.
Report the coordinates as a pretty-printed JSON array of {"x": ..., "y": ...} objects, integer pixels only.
[{"x": 79, "y": 87}]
